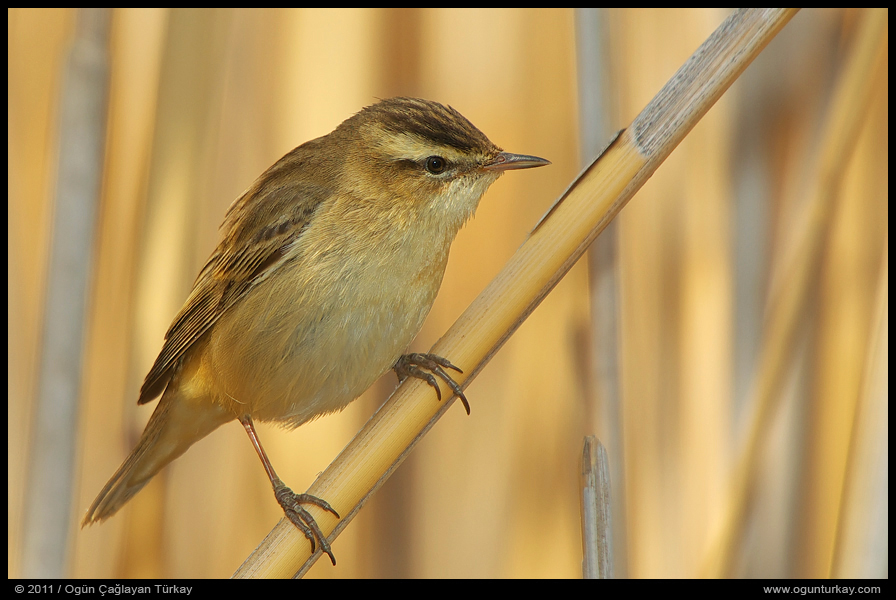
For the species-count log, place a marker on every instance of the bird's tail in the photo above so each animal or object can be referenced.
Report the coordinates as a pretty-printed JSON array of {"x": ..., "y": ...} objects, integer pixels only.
[{"x": 176, "y": 424}]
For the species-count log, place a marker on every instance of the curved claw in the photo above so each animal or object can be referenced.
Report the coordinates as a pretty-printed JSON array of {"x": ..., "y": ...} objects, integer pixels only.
[
  {"x": 409, "y": 365},
  {"x": 302, "y": 519}
]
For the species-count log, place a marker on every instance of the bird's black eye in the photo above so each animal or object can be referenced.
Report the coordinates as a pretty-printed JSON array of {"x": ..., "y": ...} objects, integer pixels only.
[{"x": 436, "y": 164}]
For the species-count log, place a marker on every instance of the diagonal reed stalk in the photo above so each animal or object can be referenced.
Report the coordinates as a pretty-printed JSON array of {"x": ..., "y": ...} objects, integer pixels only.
[{"x": 555, "y": 244}]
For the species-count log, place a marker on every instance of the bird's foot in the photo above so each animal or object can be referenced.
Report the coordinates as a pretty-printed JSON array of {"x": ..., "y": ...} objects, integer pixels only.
[
  {"x": 412, "y": 365},
  {"x": 302, "y": 519}
]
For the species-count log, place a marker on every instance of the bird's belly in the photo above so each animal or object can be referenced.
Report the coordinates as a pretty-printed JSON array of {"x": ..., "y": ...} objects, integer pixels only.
[{"x": 291, "y": 354}]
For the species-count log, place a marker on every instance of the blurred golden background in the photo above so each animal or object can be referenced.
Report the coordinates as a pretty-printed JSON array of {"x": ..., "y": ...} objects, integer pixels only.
[{"x": 707, "y": 373}]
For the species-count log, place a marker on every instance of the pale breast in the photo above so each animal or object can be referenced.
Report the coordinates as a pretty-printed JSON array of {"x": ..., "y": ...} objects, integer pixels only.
[{"x": 318, "y": 332}]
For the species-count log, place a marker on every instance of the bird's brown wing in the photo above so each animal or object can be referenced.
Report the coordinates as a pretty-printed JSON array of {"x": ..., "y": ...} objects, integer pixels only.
[{"x": 259, "y": 230}]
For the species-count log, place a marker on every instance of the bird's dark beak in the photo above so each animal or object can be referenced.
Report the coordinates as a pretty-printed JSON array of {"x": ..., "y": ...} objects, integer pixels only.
[{"x": 505, "y": 161}]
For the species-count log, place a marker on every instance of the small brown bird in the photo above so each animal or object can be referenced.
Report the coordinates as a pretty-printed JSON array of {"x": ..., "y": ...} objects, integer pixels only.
[{"x": 327, "y": 267}]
